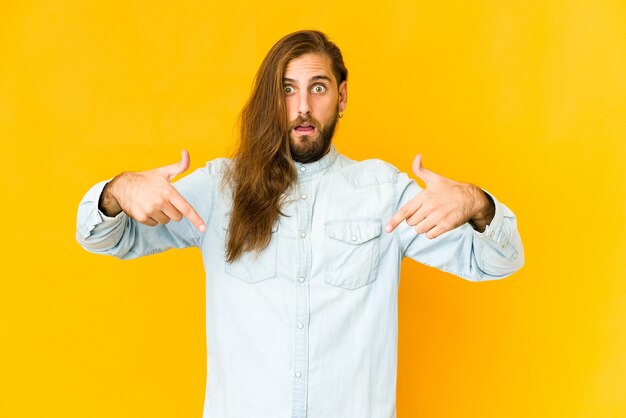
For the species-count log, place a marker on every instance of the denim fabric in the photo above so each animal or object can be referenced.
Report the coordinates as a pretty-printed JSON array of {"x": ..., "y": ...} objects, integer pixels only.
[{"x": 308, "y": 328}]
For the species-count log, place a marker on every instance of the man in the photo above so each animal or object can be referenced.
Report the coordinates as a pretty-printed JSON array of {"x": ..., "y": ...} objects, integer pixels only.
[{"x": 301, "y": 246}]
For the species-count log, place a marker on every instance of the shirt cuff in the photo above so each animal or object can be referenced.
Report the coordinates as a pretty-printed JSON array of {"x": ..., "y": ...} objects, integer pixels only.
[
  {"x": 495, "y": 233},
  {"x": 92, "y": 216},
  {"x": 492, "y": 230}
]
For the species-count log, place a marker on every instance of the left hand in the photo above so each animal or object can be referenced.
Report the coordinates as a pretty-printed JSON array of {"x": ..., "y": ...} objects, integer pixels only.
[{"x": 443, "y": 205}]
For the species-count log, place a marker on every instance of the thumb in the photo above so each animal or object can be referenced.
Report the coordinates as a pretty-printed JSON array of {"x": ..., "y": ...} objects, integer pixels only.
[
  {"x": 171, "y": 171},
  {"x": 421, "y": 172}
]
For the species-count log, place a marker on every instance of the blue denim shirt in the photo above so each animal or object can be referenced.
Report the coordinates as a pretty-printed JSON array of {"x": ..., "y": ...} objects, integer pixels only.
[{"x": 309, "y": 327}]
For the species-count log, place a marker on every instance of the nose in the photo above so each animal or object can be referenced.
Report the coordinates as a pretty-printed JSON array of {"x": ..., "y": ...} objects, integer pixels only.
[{"x": 304, "y": 106}]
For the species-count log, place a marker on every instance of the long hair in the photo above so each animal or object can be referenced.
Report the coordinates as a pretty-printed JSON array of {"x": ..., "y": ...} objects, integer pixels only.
[{"x": 262, "y": 168}]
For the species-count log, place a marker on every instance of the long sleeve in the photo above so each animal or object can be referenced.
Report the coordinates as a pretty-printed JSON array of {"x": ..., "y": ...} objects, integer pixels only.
[
  {"x": 125, "y": 238},
  {"x": 476, "y": 256}
]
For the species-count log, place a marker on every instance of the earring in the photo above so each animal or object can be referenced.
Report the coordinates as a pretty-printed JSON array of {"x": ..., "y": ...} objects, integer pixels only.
[{"x": 340, "y": 114}]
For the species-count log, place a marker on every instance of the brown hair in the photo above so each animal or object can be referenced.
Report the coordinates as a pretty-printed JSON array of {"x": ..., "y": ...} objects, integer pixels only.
[{"x": 262, "y": 168}]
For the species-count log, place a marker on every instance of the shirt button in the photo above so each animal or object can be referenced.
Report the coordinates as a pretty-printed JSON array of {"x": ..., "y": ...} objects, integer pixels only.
[
  {"x": 491, "y": 234},
  {"x": 303, "y": 235},
  {"x": 353, "y": 238},
  {"x": 301, "y": 279},
  {"x": 300, "y": 325},
  {"x": 303, "y": 196},
  {"x": 303, "y": 169},
  {"x": 298, "y": 374}
]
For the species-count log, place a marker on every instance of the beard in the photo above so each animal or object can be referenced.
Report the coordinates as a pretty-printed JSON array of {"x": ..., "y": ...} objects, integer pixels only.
[{"x": 310, "y": 148}]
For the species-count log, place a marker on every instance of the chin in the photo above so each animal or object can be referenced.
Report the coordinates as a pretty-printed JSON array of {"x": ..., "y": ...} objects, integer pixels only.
[
  {"x": 304, "y": 140},
  {"x": 307, "y": 137}
]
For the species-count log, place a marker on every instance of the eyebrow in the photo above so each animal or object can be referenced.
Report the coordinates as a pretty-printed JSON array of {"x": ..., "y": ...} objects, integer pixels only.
[{"x": 312, "y": 79}]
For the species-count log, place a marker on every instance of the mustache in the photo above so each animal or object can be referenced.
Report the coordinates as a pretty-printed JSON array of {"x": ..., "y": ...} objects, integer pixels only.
[{"x": 300, "y": 120}]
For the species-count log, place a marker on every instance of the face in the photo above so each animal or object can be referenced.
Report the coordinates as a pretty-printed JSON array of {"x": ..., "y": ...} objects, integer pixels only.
[{"x": 313, "y": 101}]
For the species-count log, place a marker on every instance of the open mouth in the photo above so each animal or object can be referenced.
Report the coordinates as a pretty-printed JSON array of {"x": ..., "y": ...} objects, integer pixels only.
[{"x": 304, "y": 129}]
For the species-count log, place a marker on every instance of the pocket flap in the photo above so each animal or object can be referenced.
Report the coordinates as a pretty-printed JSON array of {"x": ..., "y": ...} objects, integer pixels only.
[{"x": 353, "y": 232}]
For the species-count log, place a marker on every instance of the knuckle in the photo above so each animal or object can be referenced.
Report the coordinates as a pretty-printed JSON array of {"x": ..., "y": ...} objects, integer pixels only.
[
  {"x": 159, "y": 204},
  {"x": 436, "y": 218},
  {"x": 168, "y": 193},
  {"x": 153, "y": 210}
]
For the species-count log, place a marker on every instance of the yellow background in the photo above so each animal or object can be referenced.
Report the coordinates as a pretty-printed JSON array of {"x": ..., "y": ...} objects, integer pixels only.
[{"x": 525, "y": 98}]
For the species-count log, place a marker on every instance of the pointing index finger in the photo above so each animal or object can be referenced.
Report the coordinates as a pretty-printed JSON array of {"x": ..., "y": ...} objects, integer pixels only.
[
  {"x": 188, "y": 211},
  {"x": 404, "y": 212}
]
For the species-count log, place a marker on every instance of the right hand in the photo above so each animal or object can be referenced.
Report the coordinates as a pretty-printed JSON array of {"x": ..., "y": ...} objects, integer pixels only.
[{"x": 148, "y": 196}]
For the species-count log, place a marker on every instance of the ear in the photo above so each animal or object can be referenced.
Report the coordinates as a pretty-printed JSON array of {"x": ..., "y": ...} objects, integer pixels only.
[{"x": 343, "y": 95}]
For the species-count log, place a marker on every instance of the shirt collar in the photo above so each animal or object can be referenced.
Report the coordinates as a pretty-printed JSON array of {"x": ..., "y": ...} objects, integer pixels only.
[{"x": 308, "y": 170}]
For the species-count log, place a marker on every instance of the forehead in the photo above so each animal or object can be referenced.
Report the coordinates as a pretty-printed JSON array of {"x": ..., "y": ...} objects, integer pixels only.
[{"x": 309, "y": 65}]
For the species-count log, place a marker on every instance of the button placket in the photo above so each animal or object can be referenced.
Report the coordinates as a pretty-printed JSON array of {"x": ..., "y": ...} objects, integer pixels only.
[{"x": 302, "y": 308}]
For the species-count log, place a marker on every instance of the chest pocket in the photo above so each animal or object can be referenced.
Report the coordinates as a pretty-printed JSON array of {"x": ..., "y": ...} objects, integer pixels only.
[
  {"x": 352, "y": 252},
  {"x": 251, "y": 266}
]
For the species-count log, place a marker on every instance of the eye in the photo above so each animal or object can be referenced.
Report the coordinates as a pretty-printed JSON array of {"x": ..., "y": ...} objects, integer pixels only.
[
  {"x": 288, "y": 89},
  {"x": 319, "y": 88}
]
